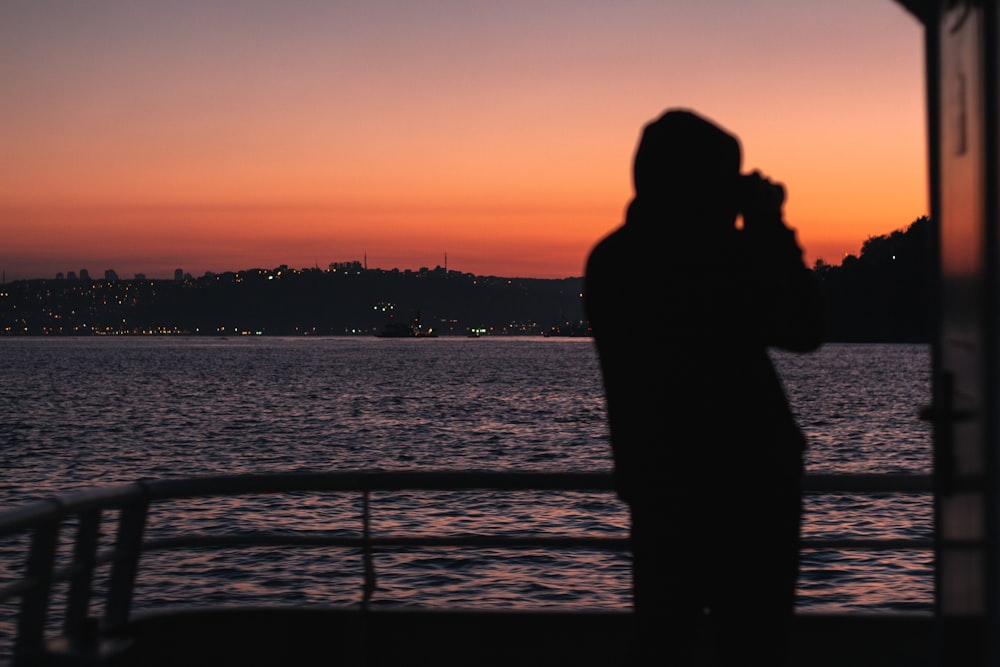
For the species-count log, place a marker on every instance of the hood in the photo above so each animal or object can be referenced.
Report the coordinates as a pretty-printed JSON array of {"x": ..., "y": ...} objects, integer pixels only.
[{"x": 686, "y": 166}]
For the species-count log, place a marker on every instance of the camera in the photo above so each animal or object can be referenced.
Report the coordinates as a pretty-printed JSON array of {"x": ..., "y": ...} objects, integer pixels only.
[{"x": 760, "y": 199}]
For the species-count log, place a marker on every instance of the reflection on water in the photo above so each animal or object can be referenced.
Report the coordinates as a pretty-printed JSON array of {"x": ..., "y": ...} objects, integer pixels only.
[
  {"x": 85, "y": 412},
  {"x": 469, "y": 576}
]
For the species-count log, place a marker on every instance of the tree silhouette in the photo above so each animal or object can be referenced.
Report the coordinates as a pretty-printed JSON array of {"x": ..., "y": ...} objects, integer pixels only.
[{"x": 883, "y": 295}]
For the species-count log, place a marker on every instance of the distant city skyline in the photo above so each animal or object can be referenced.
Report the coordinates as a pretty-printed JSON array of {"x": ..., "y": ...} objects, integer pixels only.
[{"x": 179, "y": 273}]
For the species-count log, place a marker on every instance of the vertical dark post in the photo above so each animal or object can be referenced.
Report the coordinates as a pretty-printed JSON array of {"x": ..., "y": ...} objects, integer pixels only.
[
  {"x": 962, "y": 82},
  {"x": 366, "y": 550},
  {"x": 35, "y": 602},
  {"x": 369, "y": 583},
  {"x": 78, "y": 628},
  {"x": 128, "y": 549}
]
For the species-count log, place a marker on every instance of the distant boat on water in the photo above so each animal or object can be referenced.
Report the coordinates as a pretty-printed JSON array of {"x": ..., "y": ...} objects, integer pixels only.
[{"x": 411, "y": 329}]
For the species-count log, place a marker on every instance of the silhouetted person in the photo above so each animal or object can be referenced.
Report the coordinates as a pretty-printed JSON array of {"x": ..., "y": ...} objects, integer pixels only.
[{"x": 684, "y": 305}]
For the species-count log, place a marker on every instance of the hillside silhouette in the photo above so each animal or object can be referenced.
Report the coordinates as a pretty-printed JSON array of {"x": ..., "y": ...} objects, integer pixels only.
[
  {"x": 881, "y": 295},
  {"x": 345, "y": 299}
]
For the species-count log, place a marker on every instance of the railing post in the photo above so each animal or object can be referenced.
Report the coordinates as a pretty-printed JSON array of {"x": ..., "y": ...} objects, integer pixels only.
[
  {"x": 128, "y": 549},
  {"x": 35, "y": 602},
  {"x": 78, "y": 629},
  {"x": 366, "y": 550}
]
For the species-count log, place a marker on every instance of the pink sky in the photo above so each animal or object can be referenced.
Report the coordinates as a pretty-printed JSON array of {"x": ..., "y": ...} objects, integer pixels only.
[{"x": 222, "y": 135}]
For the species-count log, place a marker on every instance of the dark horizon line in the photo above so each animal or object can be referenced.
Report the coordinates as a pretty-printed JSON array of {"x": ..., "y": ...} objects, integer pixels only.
[{"x": 341, "y": 266}]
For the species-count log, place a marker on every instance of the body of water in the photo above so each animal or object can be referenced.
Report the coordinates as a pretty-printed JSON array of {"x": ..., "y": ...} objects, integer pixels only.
[{"x": 83, "y": 412}]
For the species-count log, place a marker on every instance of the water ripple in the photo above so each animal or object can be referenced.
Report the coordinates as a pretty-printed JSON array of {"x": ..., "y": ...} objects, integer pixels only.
[{"x": 84, "y": 412}]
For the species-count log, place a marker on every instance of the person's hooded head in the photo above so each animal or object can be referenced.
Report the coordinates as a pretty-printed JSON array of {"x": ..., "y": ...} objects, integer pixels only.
[{"x": 686, "y": 171}]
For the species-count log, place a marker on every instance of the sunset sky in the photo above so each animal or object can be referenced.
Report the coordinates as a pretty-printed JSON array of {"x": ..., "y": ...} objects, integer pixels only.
[{"x": 217, "y": 135}]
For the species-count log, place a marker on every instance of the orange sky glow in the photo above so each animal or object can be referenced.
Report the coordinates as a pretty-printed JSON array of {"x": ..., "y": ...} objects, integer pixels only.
[{"x": 218, "y": 135}]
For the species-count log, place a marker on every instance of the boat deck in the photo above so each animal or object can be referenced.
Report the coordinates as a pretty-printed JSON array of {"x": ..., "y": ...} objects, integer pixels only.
[{"x": 296, "y": 636}]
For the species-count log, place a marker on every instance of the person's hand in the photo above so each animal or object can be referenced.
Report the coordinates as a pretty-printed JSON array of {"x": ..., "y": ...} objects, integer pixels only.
[{"x": 762, "y": 203}]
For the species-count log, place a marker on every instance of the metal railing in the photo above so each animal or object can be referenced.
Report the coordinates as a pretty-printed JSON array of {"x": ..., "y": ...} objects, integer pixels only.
[{"x": 43, "y": 521}]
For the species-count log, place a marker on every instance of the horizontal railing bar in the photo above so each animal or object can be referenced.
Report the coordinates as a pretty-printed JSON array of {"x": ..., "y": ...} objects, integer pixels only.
[
  {"x": 871, "y": 544},
  {"x": 484, "y": 480},
  {"x": 403, "y": 541},
  {"x": 100, "y": 497},
  {"x": 384, "y": 541},
  {"x": 868, "y": 483},
  {"x": 28, "y": 516},
  {"x": 69, "y": 503},
  {"x": 490, "y": 541},
  {"x": 380, "y": 481},
  {"x": 424, "y": 541}
]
